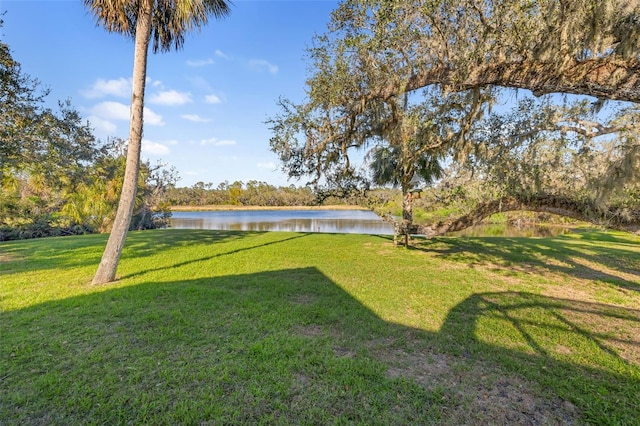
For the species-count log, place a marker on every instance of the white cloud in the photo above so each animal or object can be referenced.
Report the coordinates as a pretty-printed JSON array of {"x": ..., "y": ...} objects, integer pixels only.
[
  {"x": 154, "y": 148},
  {"x": 102, "y": 127},
  {"x": 195, "y": 118},
  {"x": 262, "y": 65},
  {"x": 101, "y": 88},
  {"x": 221, "y": 54},
  {"x": 110, "y": 110},
  {"x": 154, "y": 83},
  {"x": 200, "y": 83},
  {"x": 200, "y": 62},
  {"x": 216, "y": 142},
  {"x": 269, "y": 165},
  {"x": 170, "y": 97},
  {"x": 212, "y": 99},
  {"x": 152, "y": 118}
]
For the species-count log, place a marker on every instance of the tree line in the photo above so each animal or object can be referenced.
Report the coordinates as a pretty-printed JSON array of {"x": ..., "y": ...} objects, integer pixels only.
[
  {"x": 251, "y": 193},
  {"x": 56, "y": 178}
]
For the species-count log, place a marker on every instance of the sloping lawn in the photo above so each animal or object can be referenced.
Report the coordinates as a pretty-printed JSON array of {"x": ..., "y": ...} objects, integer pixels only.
[{"x": 216, "y": 327}]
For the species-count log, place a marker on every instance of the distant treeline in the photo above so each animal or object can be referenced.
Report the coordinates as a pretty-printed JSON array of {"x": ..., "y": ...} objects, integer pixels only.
[{"x": 253, "y": 193}]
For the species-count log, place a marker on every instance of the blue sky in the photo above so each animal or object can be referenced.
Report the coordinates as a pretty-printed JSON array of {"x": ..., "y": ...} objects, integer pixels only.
[{"x": 206, "y": 104}]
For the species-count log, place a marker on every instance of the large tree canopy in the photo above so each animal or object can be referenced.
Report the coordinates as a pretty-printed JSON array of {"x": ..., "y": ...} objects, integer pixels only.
[
  {"x": 376, "y": 51},
  {"x": 460, "y": 53},
  {"x": 587, "y": 47},
  {"x": 35, "y": 139}
]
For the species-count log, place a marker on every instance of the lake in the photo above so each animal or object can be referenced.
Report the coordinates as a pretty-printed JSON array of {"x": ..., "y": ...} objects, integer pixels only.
[{"x": 330, "y": 221}]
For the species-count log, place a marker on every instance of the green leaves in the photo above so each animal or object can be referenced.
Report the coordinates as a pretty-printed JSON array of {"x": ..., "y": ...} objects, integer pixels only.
[{"x": 171, "y": 19}]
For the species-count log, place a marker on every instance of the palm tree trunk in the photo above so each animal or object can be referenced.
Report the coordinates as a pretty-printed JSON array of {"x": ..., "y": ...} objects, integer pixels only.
[{"x": 107, "y": 270}]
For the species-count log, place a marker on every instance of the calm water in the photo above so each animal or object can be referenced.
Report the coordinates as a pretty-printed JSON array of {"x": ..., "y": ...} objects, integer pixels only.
[{"x": 332, "y": 221}]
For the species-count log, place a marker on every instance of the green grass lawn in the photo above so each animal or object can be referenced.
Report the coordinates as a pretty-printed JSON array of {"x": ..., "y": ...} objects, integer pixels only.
[{"x": 216, "y": 327}]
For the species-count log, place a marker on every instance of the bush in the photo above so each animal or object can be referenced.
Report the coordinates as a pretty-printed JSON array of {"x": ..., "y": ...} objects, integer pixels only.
[{"x": 44, "y": 225}]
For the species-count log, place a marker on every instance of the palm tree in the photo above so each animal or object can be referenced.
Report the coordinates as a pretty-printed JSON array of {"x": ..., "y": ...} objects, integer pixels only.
[
  {"x": 166, "y": 22},
  {"x": 403, "y": 167},
  {"x": 411, "y": 154}
]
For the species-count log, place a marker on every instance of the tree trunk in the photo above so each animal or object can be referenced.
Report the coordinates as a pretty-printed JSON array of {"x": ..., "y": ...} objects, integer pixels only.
[
  {"x": 407, "y": 215},
  {"x": 111, "y": 256},
  {"x": 613, "y": 218},
  {"x": 404, "y": 228}
]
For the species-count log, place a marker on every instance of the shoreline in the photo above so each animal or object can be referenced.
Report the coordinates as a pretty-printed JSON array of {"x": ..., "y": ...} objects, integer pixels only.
[{"x": 246, "y": 208}]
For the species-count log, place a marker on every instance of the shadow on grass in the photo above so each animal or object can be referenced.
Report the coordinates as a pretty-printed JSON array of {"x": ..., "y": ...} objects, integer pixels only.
[
  {"x": 617, "y": 263},
  {"x": 206, "y": 243},
  {"x": 80, "y": 251},
  {"x": 291, "y": 346}
]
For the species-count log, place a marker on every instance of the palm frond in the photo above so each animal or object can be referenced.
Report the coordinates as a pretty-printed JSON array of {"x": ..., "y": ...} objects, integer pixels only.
[{"x": 172, "y": 19}]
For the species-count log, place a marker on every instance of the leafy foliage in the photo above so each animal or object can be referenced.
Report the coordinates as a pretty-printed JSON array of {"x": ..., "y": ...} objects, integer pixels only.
[
  {"x": 367, "y": 69},
  {"x": 170, "y": 19},
  {"x": 568, "y": 150},
  {"x": 55, "y": 177},
  {"x": 585, "y": 47}
]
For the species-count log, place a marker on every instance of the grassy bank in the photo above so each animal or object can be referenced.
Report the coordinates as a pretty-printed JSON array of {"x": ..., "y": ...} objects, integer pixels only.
[{"x": 216, "y": 327}]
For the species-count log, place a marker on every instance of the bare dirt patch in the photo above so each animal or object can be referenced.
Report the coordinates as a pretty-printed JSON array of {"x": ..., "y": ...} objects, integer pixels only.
[
  {"x": 343, "y": 352},
  {"x": 477, "y": 394},
  {"x": 303, "y": 299},
  {"x": 311, "y": 330},
  {"x": 5, "y": 257}
]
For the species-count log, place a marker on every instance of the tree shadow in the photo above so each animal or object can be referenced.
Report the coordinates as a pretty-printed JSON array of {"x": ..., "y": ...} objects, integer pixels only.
[
  {"x": 619, "y": 238},
  {"x": 289, "y": 237},
  {"x": 541, "y": 337},
  {"x": 291, "y": 346},
  {"x": 616, "y": 261},
  {"x": 79, "y": 251}
]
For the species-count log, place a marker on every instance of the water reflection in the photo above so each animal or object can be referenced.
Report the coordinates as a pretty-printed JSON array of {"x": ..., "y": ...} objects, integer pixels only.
[{"x": 330, "y": 221}]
